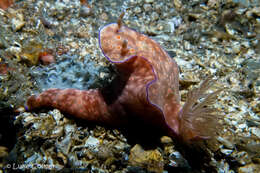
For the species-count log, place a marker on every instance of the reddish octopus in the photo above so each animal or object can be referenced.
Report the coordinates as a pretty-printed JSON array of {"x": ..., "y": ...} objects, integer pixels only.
[{"x": 147, "y": 88}]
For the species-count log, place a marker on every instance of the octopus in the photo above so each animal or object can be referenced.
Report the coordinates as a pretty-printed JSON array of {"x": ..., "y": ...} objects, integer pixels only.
[{"x": 146, "y": 89}]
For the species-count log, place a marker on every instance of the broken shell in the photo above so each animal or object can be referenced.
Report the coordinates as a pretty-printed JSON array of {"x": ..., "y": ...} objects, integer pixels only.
[{"x": 152, "y": 160}]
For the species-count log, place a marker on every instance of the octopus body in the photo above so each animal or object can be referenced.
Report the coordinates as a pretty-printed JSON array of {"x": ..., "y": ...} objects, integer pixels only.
[{"x": 147, "y": 88}]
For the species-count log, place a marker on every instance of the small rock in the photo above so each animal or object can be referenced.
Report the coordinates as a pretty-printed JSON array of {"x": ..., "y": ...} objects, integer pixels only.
[
  {"x": 255, "y": 131},
  {"x": 149, "y": 1},
  {"x": 230, "y": 30},
  {"x": 226, "y": 151},
  {"x": 85, "y": 11},
  {"x": 121, "y": 145},
  {"x": 17, "y": 24},
  {"x": 256, "y": 11},
  {"x": 214, "y": 39},
  {"x": 174, "y": 23},
  {"x": 177, "y": 160},
  {"x": 242, "y": 157},
  {"x": 249, "y": 168},
  {"x": 225, "y": 142},
  {"x": 137, "y": 10},
  {"x": 187, "y": 45},
  {"x": 133, "y": 2},
  {"x": 251, "y": 68},
  {"x": 253, "y": 13},
  {"x": 56, "y": 115},
  {"x": 151, "y": 160},
  {"x": 31, "y": 51},
  {"x": 69, "y": 128},
  {"x": 236, "y": 47},
  {"x": 166, "y": 140},
  {"x": 242, "y": 126},
  {"x": 213, "y": 3},
  {"x": 154, "y": 16},
  {"x": 147, "y": 7},
  {"x": 228, "y": 50},
  {"x": 92, "y": 142},
  {"x": 104, "y": 16},
  {"x": 246, "y": 44},
  {"x": 177, "y": 4},
  {"x": 3, "y": 151},
  {"x": 102, "y": 75}
]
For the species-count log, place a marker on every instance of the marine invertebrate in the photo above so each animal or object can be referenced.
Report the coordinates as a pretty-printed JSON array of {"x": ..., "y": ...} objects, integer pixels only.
[
  {"x": 4, "y": 4},
  {"x": 147, "y": 88}
]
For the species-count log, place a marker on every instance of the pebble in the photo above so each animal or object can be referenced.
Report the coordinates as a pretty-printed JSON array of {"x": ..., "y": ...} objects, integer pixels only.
[
  {"x": 213, "y": 3},
  {"x": 152, "y": 160},
  {"x": 177, "y": 3},
  {"x": 187, "y": 45},
  {"x": 255, "y": 131},
  {"x": 154, "y": 16},
  {"x": 225, "y": 142},
  {"x": 69, "y": 128},
  {"x": 18, "y": 23},
  {"x": 149, "y": 1},
  {"x": 246, "y": 44},
  {"x": 3, "y": 151},
  {"x": 242, "y": 126},
  {"x": 137, "y": 10},
  {"x": 104, "y": 16},
  {"x": 85, "y": 11},
  {"x": 214, "y": 39},
  {"x": 177, "y": 160},
  {"x": 120, "y": 145},
  {"x": 253, "y": 13},
  {"x": 242, "y": 157},
  {"x": 92, "y": 142},
  {"x": 226, "y": 151},
  {"x": 147, "y": 7},
  {"x": 56, "y": 115},
  {"x": 236, "y": 47},
  {"x": 228, "y": 50},
  {"x": 166, "y": 140},
  {"x": 250, "y": 168}
]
